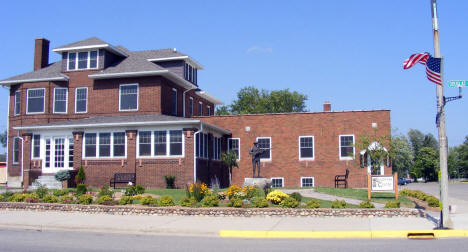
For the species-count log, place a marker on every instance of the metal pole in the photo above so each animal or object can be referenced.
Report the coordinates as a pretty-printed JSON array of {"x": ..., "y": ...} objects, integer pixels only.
[{"x": 445, "y": 219}]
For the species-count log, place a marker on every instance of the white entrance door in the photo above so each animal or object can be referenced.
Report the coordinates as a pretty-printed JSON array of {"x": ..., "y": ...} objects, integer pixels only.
[
  {"x": 57, "y": 154},
  {"x": 369, "y": 167}
]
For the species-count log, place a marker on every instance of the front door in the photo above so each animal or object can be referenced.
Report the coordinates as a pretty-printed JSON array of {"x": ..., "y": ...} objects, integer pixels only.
[{"x": 58, "y": 154}]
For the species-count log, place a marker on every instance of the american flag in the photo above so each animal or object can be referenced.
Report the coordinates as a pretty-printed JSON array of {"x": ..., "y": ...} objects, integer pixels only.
[{"x": 432, "y": 66}]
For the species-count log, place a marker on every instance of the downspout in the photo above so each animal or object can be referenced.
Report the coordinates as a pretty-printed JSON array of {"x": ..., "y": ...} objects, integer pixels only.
[
  {"x": 7, "y": 138},
  {"x": 195, "y": 152}
]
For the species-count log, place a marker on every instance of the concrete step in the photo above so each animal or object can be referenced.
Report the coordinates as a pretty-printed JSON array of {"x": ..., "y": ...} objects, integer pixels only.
[{"x": 47, "y": 181}]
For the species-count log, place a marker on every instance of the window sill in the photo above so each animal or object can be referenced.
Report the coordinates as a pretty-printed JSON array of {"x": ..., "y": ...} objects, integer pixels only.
[
  {"x": 265, "y": 160},
  {"x": 307, "y": 159},
  {"x": 103, "y": 158},
  {"x": 346, "y": 158},
  {"x": 81, "y": 112},
  {"x": 160, "y": 157},
  {"x": 34, "y": 113}
]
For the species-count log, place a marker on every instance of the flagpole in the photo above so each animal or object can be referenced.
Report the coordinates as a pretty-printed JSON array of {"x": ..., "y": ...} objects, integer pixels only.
[{"x": 445, "y": 221}]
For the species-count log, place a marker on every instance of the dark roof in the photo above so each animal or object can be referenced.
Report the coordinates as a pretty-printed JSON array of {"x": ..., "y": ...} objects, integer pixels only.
[
  {"x": 158, "y": 54},
  {"x": 132, "y": 63},
  {"x": 50, "y": 72},
  {"x": 86, "y": 42}
]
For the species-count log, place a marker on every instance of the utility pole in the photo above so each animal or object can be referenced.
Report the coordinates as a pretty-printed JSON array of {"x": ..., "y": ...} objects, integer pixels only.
[{"x": 445, "y": 221}]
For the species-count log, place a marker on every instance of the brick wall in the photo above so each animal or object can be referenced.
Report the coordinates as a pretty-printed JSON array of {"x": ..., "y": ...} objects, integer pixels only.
[{"x": 285, "y": 129}]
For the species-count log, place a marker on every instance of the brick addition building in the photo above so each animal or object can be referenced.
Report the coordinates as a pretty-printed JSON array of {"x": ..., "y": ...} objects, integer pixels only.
[{"x": 111, "y": 110}]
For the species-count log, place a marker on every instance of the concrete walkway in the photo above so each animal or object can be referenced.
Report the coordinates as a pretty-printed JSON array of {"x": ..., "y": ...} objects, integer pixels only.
[
  {"x": 322, "y": 196},
  {"x": 198, "y": 225}
]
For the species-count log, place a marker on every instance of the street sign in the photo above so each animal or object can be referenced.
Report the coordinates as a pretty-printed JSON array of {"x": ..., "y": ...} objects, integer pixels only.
[{"x": 458, "y": 83}]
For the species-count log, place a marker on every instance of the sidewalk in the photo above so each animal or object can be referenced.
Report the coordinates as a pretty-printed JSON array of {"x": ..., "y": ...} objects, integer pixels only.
[{"x": 201, "y": 226}]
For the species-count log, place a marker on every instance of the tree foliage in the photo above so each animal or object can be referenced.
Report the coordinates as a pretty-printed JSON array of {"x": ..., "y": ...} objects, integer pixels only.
[
  {"x": 458, "y": 160},
  {"x": 229, "y": 159},
  {"x": 403, "y": 156},
  {"x": 426, "y": 164},
  {"x": 378, "y": 149},
  {"x": 250, "y": 100},
  {"x": 4, "y": 138}
]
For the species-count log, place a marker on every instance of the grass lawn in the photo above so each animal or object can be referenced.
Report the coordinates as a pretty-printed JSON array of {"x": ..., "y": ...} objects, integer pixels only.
[
  {"x": 177, "y": 194},
  {"x": 361, "y": 194}
]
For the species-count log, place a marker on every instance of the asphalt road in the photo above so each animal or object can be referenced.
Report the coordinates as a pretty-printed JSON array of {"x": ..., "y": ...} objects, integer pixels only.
[
  {"x": 456, "y": 190},
  {"x": 32, "y": 240}
]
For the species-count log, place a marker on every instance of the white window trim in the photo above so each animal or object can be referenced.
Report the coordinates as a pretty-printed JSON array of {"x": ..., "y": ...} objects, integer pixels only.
[
  {"x": 76, "y": 100},
  {"x": 313, "y": 181},
  {"x": 229, "y": 149},
  {"x": 88, "y": 60},
  {"x": 191, "y": 107},
  {"x": 14, "y": 108},
  {"x": 13, "y": 152},
  {"x": 168, "y": 144},
  {"x": 200, "y": 105},
  {"x": 120, "y": 96},
  {"x": 339, "y": 148},
  {"x": 176, "y": 102},
  {"x": 313, "y": 149},
  {"x": 66, "y": 101},
  {"x": 27, "y": 101},
  {"x": 282, "y": 181},
  {"x": 97, "y": 145},
  {"x": 271, "y": 146}
]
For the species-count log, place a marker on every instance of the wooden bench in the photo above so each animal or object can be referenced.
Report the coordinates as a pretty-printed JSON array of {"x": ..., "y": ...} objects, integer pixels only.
[
  {"x": 122, "y": 178},
  {"x": 342, "y": 180}
]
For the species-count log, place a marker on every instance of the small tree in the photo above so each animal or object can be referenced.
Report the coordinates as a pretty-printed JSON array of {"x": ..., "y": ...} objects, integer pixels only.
[
  {"x": 230, "y": 160},
  {"x": 80, "y": 176},
  {"x": 376, "y": 150}
]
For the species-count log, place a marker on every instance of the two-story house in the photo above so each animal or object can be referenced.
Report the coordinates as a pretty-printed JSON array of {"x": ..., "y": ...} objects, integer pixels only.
[{"x": 112, "y": 110}]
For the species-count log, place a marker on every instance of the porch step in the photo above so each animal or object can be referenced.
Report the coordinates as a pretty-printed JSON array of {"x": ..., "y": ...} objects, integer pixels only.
[{"x": 47, "y": 181}]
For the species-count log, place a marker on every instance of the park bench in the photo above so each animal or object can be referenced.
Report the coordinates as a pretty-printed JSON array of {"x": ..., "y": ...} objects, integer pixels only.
[
  {"x": 342, "y": 180},
  {"x": 123, "y": 178}
]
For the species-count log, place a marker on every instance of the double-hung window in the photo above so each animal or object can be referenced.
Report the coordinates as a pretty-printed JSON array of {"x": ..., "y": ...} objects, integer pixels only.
[
  {"x": 174, "y": 102},
  {"x": 200, "y": 108},
  {"x": 105, "y": 144},
  {"x": 16, "y": 141},
  {"x": 36, "y": 101},
  {"x": 191, "y": 106},
  {"x": 202, "y": 145},
  {"x": 176, "y": 142},
  {"x": 144, "y": 143},
  {"x": 216, "y": 148},
  {"x": 36, "y": 146},
  {"x": 234, "y": 145},
  {"x": 81, "y": 100},
  {"x": 306, "y": 147},
  {"x": 17, "y": 102},
  {"x": 208, "y": 110},
  {"x": 346, "y": 147},
  {"x": 160, "y": 143},
  {"x": 264, "y": 143},
  {"x": 307, "y": 181},
  {"x": 82, "y": 60},
  {"x": 60, "y": 100},
  {"x": 128, "y": 97},
  {"x": 277, "y": 182}
]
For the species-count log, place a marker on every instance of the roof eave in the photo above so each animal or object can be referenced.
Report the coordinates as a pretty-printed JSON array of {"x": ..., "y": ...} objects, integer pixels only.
[
  {"x": 99, "y": 76},
  {"x": 90, "y": 47},
  {"x": 187, "y": 58},
  {"x": 8, "y": 83},
  {"x": 209, "y": 97}
]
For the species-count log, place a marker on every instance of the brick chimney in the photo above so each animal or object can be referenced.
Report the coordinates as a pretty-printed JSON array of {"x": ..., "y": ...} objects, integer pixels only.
[
  {"x": 326, "y": 106},
  {"x": 41, "y": 53}
]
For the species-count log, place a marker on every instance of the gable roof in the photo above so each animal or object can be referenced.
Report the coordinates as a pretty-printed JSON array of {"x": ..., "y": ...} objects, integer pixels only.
[
  {"x": 122, "y": 121},
  {"x": 51, "y": 72},
  {"x": 89, "y": 43}
]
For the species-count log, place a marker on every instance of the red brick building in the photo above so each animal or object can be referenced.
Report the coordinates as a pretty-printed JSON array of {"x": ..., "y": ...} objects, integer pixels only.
[{"x": 112, "y": 110}]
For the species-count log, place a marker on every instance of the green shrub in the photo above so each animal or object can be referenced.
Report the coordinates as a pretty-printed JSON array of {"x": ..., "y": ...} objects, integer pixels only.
[
  {"x": 210, "y": 201},
  {"x": 166, "y": 200},
  {"x": 148, "y": 201},
  {"x": 18, "y": 197},
  {"x": 66, "y": 199},
  {"x": 259, "y": 202},
  {"x": 2, "y": 198},
  {"x": 313, "y": 203},
  {"x": 339, "y": 204},
  {"x": 170, "y": 181},
  {"x": 134, "y": 190},
  {"x": 289, "y": 202},
  {"x": 433, "y": 201},
  {"x": 80, "y": 189},
  {"x": 366, "y": 204},
  {"x": 41, "y": 190},
  {"x": 85, "y": 199},
  {"x": 392, "y": 204},
  {"x": 126, "y": 200},
  {"x": 80, "y": 176},
  {"x": 297, "y": 196},
  {"x": 105, "y": 191},
  {"x": 60, "y": 192},
  {"x": 197, "y": 190},
  {"x": 188, "y": 202},
  {"x": 235, "y": 202},
  {"x": 50, "y": 199},
  {"x": 62, "y": 175},
  {"x": 276, "y": 196},
  {"x": 104, "y": 198}
]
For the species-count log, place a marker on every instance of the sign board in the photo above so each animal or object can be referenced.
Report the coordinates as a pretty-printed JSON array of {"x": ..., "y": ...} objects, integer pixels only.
[
  {"x": 458, "y": 83},
  {"x": 379, "y": 183},
  {"x": 382, "y": 183}
]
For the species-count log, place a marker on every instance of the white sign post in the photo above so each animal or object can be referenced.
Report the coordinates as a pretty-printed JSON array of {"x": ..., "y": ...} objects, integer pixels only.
[{"x": 379, "y": 183}]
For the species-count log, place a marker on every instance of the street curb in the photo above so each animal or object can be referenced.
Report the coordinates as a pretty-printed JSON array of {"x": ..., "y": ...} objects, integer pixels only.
[{"x": 343, "y": 234}]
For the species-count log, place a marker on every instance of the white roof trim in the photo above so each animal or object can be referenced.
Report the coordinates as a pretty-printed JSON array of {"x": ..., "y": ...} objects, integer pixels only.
[
  {"x": 64, "y": 78},
  {"x": 100, "y": 46},
  {"x": 179, "y": 80},
  {"x": 119, "y": 124},
  {"x": 190, "y": 60},
  {"x": 206, "y": 96},
  {"x": 98, "y": 76}
]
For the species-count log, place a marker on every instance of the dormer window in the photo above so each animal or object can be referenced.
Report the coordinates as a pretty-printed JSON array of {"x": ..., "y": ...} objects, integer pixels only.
[
  {"x": 190, "y": 73},
  {"x": 82, "y": 60}
]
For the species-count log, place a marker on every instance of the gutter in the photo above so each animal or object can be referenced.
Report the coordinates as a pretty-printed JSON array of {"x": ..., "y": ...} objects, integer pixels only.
[
  {"x": 195, "y": 152},
  {"x": 7, "y": 136},
  {"x": 63, "y": 78},
  {"x": 22, "y": 159}
]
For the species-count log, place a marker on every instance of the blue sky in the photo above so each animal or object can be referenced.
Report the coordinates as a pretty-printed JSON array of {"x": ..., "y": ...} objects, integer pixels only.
[{"x": 347, "y": 52}]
